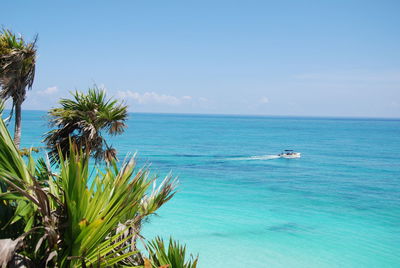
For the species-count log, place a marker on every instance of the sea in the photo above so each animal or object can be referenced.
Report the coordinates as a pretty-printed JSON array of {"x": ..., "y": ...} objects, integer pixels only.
[{"x": 239, "y": 205}]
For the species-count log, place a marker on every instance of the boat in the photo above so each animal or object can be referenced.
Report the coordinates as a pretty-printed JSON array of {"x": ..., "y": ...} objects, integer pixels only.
[{"x": 289, "y": 154}]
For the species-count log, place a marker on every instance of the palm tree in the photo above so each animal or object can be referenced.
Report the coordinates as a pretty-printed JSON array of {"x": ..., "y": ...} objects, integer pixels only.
[
  {"x": 17, "y": 72},
  {"x": 72, "y": 218},
  {"x": 82, "y": 120}
]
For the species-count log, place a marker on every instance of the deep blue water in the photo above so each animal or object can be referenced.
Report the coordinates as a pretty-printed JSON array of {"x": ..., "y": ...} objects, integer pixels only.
[{"x": 237, "y": 206}]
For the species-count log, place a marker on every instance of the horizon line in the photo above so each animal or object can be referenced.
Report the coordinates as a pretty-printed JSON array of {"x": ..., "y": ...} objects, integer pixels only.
[{"x": 251, "y": 115}]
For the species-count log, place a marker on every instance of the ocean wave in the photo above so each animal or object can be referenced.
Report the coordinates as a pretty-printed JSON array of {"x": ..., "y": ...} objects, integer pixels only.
[{"x": 255, "y": 157}]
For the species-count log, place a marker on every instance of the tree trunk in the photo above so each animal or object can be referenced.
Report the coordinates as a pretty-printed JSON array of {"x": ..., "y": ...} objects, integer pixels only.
[{"x": 17, "y": 130}]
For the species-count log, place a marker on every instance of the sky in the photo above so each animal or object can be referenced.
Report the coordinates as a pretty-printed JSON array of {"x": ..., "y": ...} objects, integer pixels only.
[{"x": 300, "y": 58}]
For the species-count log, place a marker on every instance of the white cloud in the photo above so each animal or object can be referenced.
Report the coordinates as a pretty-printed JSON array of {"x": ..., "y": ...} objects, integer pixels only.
[
  {"x": 48, "y": 91},
  {"x": 153, "y": 97},
  {"x": 264, "y": 100}
]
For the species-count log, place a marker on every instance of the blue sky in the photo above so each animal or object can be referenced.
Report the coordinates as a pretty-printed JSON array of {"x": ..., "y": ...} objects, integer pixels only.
[{"x": 317, "y": 58}]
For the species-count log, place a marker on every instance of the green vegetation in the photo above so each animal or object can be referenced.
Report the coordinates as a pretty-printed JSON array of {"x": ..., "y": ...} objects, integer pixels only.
[
  {"x": 174, "y": 256},
  {"x": 70, "y": 219},
  {"x": 82, "y": 119},
  {"x": 71, "y": 215},
  {"x": 17, "y": 72}
]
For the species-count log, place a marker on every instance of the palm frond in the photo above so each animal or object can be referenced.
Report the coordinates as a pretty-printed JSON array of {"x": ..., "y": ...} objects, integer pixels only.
[
  {"x": 174, "y": 256},
  {"x": 83, "y": 119},
  {"x": 75, "y": 219},
  {"x": 17, "y": 72},
  {"x": 17, "y": 65}
]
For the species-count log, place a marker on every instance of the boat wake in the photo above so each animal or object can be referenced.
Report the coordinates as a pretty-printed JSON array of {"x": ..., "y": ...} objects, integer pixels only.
[{"x": 256, "y": 157}]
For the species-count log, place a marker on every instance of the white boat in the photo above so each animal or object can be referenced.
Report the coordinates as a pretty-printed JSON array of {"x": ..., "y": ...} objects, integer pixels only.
[{"x": 289, "y": 154}]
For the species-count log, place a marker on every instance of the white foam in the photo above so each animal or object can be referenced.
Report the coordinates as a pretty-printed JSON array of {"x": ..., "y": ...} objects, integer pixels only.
[{"x": 256, "y": 157}]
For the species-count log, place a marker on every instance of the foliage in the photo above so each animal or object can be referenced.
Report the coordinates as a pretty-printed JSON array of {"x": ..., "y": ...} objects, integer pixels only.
[
  {"x": 17, "y": 72},
  {"x": 28, "y": 151},
  {"x": 17, "y": 64},
  {"x": 73, "y": 219},
  {"x": 69, "y": 217},
  {"x": 83, "y": 119},
  {"x": 174, "y": 256}
]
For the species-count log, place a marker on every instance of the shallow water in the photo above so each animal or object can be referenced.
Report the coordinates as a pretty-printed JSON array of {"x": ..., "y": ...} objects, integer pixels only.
[{"x": 239, "y": 205}]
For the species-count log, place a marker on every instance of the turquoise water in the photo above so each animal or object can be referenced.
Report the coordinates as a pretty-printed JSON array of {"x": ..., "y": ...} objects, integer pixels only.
[{"x": 238, "y": 206}]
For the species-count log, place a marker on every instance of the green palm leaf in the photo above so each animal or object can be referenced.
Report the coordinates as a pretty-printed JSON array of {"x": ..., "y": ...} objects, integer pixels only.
[{"x": 84, "y": 118}]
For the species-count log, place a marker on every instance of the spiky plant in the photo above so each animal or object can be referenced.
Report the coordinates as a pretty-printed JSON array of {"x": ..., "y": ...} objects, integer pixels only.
[
  {"x": 17, "y": 72},
  {"x": 70, "y": 218},
  {"x": 172, "y": 257},
  {"x": 84, "y": 119}
]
